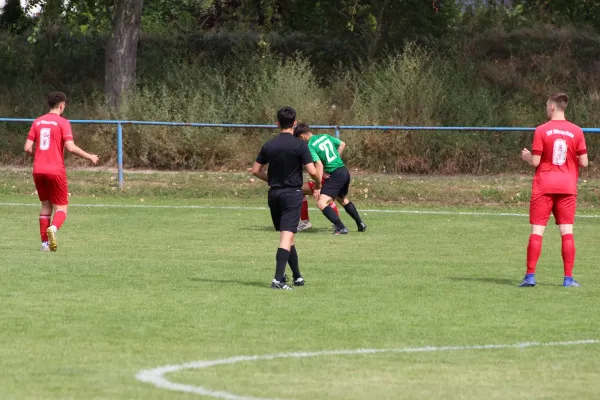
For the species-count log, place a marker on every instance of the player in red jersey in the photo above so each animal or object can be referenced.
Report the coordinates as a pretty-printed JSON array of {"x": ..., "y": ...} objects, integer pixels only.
[
  {"x": 558, "y": 151},
  {"x": 50, "y": 134}
]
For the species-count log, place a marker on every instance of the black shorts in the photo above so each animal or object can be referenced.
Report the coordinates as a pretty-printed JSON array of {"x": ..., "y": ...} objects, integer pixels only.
[
  {"x": 337, "y": 184},
  {"x": 285, "y": 205}
]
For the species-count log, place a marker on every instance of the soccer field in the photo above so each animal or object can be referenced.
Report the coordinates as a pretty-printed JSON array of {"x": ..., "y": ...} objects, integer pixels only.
[{"x": 138, "y": 288}]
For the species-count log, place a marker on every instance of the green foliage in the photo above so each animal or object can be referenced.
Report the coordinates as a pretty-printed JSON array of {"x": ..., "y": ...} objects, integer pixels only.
[
  {"x": 12, "y": 17},
  {"x": 217, "y": 61},
  {"x": 581, "y": 12}
]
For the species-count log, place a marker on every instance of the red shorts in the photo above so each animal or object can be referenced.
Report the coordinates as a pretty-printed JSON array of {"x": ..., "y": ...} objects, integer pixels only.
[
  {"x": 53, "y": 188},
  {"x": 311, "y": 184},
  {"x": 562, "y": 206}
]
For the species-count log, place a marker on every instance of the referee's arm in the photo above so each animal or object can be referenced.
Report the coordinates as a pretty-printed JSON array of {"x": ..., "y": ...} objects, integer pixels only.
[
  {"x": 258, "y": 171},
  {"x": 259, "y": 165}
]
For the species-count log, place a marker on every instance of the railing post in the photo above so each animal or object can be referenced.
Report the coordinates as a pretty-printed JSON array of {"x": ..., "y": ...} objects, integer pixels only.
[
  {"x": 337, "y": 132},
  {"x": 120, "y": 154}
]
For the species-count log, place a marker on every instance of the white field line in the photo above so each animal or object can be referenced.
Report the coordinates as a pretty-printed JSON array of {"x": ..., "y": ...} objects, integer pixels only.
[
  {"x": 156, "y": 376},
  {"x": 259, "y": 208}
]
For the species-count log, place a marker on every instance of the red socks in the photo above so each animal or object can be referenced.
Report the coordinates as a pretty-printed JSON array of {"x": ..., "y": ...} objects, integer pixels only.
[
  {"x": 568, "y": 254},
  {"x": 304, "y": 211},
  {"x": 334, "y": 207},
  {"x": 44, "y": 224},
  {"x": 534, "y": 249},
  {"x": 59, "y": 219}
]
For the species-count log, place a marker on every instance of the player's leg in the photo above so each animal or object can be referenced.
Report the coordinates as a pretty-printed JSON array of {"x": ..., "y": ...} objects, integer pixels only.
[
  {"x": 59, "y": 196},
  {"x": 286, "y": 215},
  {"x": 289, "y": 218},
  {"x": 334, "y": 208},
  {"x": 46, "y": 209},
  {"x": 564, "y": 212},
  {"x": 276, "y": 212},
  {"x": 304, "y": 218},
  {"x": 324, "y": 205},
  {"x": 295, "y": 266},
  {"x": 45, "y": 215},
  {"x": 348, "y": 205},
  {"x": 540, "y": 209},
  {"x": 330, "y": 191}
]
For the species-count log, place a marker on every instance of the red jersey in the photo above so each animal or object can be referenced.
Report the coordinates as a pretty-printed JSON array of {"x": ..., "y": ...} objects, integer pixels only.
[
  {"x": 559, "y": 143},
  {"x": 49, "y": 133}
]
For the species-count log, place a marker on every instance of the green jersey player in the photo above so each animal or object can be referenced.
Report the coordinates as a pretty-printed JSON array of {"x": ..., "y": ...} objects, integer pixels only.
[{"x": 326, "y": 152}]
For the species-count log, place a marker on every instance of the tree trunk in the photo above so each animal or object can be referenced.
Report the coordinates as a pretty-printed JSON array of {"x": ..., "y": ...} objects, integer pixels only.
[
  {"x": 374, "y": 46},
  {"x": 121, "y": 52}
]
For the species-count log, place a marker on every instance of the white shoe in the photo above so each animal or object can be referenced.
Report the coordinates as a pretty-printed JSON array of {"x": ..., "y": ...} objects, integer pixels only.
[
  {"x": 304, "y": 225},
  {"x": 53, "y": 243},
  {"x": 45, "y": 247}
]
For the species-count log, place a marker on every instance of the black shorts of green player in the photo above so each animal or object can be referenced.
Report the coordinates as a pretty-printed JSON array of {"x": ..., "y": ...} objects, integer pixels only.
[{"x": 326, "y": 152}]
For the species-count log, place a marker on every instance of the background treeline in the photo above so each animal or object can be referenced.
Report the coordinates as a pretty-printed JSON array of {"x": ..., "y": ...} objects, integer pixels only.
[{"x": 406, "y": 62}]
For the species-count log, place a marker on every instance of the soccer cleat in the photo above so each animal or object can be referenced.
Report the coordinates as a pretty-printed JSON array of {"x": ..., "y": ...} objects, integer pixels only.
[
  {"x": 45, "y": 247},
  {"x": 569, "y": 281},
  {"x": 304, "y": 225},
  {"x": 362, "y": 227},
  {"x": 52, "y": 242},
  {"x": 528, "y": 281},
  {"x": 280, "y": 285},
  {"x": 343, "y": 231},
  {"x": 299, "y": 282}
]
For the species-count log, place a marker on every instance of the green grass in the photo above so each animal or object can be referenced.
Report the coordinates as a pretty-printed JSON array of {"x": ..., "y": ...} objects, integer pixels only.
[
  {"x": 374, "y": 190},
  {"x": 138, "y": 288}
]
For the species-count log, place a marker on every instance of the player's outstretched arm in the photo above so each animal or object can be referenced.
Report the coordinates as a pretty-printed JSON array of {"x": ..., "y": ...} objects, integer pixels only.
[
  {"x": 257, "y": 171},
  {"x": 73, "y": 148},
  {"x": 319, "y": 166},
  {"x": 341, "y": 148},
  {"x": 29, "y": 147},
  {"x": 530, "y": 159}
]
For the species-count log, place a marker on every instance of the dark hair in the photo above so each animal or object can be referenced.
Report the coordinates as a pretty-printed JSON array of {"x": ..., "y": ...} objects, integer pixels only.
[
  {"x": 560, "y": 99},
  {"x": 55, "y": 98},
  {"x": 301, "y": 129},
  {"x": 286, "y": 117}
]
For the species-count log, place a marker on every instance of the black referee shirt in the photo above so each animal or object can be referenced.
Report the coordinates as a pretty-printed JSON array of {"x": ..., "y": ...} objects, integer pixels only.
[{"x": 286, "y": 155}]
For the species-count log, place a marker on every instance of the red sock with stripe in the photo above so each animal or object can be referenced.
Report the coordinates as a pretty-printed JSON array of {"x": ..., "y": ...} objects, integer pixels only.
[
  {"x": 568, "y": 254},
  {"x": 534, "y": 249},
  {"x": 44, "y": 224},
  {"x": 304, "y": 210},
  {"x": 59, "y": 219},
  {"x": 335, "y": 209}
]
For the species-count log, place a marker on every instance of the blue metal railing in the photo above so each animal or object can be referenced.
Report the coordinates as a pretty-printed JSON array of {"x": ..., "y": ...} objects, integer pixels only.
[{"x": 336, "y": 128}]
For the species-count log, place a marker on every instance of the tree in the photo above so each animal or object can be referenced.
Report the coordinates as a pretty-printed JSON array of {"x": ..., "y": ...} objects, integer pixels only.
[
  {"x": 12, "y": 17},
  {"x": 121, "y": 51}
]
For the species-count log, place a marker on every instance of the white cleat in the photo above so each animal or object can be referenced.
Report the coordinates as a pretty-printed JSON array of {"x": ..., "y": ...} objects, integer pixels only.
[
  {"x": 45, "y": 247},
  {"x": 304, "y": 225},
  {"x": 53, "y": 243}
]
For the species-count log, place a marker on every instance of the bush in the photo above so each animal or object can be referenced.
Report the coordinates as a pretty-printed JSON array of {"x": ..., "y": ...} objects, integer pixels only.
[{"x": 496, "y": 77}]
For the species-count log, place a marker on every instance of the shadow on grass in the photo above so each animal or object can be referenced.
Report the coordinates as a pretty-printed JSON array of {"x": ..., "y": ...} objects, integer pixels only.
[
  {"x": 497, "y": 281},
  {"x": 271, "y": 229},
  {"x": 263, "y": 284}
]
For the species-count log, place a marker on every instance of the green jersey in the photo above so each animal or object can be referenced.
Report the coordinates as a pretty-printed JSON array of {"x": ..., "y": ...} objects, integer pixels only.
[{"x": 324, "y": 148}]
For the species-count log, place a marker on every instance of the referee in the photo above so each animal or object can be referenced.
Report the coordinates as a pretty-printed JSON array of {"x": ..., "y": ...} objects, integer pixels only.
[{"x": 285, "y": 156}]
